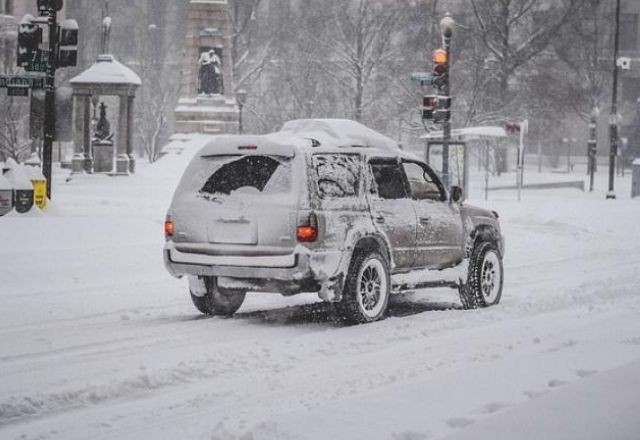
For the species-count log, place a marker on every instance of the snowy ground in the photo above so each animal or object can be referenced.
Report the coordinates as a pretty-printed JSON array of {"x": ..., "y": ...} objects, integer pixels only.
[{"x": 97, "y": 341}]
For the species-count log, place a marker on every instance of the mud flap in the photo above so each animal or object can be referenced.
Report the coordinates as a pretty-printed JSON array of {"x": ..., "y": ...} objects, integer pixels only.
[
  {"x": 197, "y": 286},
  {"x": 331, "y": 289}
]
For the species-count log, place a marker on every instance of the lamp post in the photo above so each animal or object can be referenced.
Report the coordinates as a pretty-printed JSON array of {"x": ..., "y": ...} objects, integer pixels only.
[
  {"x": 569, "y": 145},
  {"x": 592, "y": 145},
  {"x": 613, "y": 120},
  {"x": 447, "y": 26},
  {"x": 241, "y": 97}
]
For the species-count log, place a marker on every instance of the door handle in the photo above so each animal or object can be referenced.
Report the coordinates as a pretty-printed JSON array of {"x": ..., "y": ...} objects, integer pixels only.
[{"x": 425, "y": 220}]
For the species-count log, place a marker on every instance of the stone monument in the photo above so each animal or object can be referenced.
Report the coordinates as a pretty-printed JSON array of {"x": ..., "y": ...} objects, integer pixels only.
[
  {"x": 207, "y": 103},
  {"x": 106, "y": 77}
]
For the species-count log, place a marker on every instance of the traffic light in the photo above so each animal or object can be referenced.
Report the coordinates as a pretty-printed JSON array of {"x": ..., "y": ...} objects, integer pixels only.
[
  {"x": 512, "y": 127},
  {"x": 68, "y": 44},
  {"x": 29, "y": 40},
  {"x": 440, "y": 59},
  {"x": 443, "y": 111},
  {"x": 428, "y": 107}
]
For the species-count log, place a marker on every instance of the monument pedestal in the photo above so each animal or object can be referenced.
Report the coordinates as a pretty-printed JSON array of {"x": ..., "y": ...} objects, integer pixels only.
[
  {"x": 215, "y": 114},
  {"x": 208, "y": 38},
  {"x": 102, "y": 156}
]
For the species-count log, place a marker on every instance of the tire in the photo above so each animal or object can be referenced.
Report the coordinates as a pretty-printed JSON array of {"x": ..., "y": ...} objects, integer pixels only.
[
  {"x": 367, "y": 288},
  {"x": 218, "y": 301},
  {"x": 485, "y": 279}
]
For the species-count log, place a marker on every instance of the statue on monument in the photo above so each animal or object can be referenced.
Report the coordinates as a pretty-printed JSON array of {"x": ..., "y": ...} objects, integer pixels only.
[
  {"x": 103, "y": 127},
  {"x": 210, "y": 74}
]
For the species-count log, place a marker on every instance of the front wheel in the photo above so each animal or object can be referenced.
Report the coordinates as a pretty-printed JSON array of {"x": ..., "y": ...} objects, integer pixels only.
[
  {"x": 218, "y": 301},
  {"x": 485, "y": 279},
  {"x": 367, "y": 287}
]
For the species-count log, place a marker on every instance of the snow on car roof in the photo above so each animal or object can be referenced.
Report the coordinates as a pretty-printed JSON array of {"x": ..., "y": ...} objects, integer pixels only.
[
  {"x": 339, "y": 133},
  {"x": 319, "y": 135}
]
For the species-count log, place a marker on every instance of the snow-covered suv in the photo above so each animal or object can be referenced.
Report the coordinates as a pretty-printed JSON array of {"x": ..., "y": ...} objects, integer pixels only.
[{"x": 327, "y": 206}]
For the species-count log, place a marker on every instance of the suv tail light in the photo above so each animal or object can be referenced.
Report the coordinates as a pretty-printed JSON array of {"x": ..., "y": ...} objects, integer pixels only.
[
  {"x": 307, "y": 231},
  {"x": 168, "y": 228}
]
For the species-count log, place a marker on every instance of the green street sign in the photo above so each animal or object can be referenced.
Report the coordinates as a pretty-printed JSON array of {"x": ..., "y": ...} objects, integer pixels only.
[
  {"x": 39, "y": 63},
  {"x": 423, "y": 78}
]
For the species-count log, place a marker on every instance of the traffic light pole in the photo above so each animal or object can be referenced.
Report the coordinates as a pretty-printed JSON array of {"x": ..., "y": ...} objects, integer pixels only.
[
  {"x": 446, "y": 125},
  {"x": 49, "y": 100},
  {"x": 613, "y": 123}
]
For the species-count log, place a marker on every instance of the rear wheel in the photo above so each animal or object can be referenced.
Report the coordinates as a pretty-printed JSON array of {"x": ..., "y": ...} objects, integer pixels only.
[
  {"x": 366, "y": 292},
  {"x": 485, "y": 279},
  {"x": 218, "y": 301}
]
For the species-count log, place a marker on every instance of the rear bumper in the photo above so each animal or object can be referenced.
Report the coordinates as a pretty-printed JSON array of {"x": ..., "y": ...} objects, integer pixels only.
[{"x": 287, "y": 274}]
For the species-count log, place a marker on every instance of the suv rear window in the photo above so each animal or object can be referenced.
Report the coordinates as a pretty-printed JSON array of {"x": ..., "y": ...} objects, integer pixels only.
[
  {"x": 249, "y": 175},
  {"x": 336, "y": 175}
]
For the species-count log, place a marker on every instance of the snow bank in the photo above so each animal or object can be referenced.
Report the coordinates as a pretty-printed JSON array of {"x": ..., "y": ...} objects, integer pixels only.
[
  {"x": 4, "y": 183},
  {"x": 18, "y": 176},
  {"x": 604, "y": 406}
]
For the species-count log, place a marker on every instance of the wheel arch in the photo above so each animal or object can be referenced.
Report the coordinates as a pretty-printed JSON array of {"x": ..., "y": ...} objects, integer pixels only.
[
  {"x": 373, "y": 243},
  {"x": 484, "y": 233}
]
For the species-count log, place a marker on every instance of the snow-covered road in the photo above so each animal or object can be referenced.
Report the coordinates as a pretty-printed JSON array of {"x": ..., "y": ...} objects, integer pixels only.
[{"x": 97, "y": 341}]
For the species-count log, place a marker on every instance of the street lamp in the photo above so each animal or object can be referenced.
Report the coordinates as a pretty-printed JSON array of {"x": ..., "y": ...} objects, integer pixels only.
[
  {"x": 447, "y": 26},
  {"x": 241, "y": 97}
]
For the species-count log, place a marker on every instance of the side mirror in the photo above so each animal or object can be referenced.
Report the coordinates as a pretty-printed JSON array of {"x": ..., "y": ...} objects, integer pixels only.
[{"x": 456, "y": 194}]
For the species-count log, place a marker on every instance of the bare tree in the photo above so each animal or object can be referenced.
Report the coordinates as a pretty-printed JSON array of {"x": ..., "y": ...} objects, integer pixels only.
[
  {"x": 153, "y": 127},
  {"x": 14, "y": 142},
  {"x": 514, "y": 32},
  {"x": 582, "y": 44},
  {"x": 360, "y": 36}
]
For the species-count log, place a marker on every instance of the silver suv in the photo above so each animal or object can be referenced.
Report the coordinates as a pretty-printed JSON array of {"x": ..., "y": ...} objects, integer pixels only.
[{"x": 326, "y": 206}]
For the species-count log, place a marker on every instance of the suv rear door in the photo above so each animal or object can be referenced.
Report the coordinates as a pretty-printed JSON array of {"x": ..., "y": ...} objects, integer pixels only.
[
  {"x": 439, "y": 241},
  {"x": 243, "y": 204},
  {"x": 392, "y": 209}
]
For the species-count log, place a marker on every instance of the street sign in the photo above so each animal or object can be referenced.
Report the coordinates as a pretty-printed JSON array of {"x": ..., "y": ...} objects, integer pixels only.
[
  {"x": 22, "y": 81},
  {"x": 17, "y": 91},
  {"x": 423, "y": 78},
  {"x": 39, "y": 62}
]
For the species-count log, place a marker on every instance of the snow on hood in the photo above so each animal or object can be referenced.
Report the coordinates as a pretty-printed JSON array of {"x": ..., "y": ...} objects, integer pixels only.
[{"x": 339, "y": 132}]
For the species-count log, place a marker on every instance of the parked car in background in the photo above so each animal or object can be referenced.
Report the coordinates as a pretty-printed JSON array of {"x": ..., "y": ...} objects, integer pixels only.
[{"x": 326, "y": 206}]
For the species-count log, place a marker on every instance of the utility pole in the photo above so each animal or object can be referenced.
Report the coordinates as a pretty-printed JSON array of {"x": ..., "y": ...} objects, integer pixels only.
[
  {"x": 50, "y": 97},
  {"x": 613, "y": 120},
  {"x": 437, "y": 109}
]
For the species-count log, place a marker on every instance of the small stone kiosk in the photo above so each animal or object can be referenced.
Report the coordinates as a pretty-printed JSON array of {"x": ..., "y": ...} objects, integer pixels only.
[
  {"x": 106, "y": 77},
  {"x": 207, "y": 103}
]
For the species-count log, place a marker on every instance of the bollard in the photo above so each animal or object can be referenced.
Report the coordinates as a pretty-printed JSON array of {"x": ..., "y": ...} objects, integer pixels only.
[
  {"x": 39, "y": 183},
  {"x": 23, "y": 195},
  {"x": 635, "y": 179}
]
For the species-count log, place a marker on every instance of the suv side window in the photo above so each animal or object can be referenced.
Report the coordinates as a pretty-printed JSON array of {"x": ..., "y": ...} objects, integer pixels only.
[
  {"x": 337, "y": 175},
  {"x": 423, "y": 182},
  {"x": 389, "y": 179}
]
